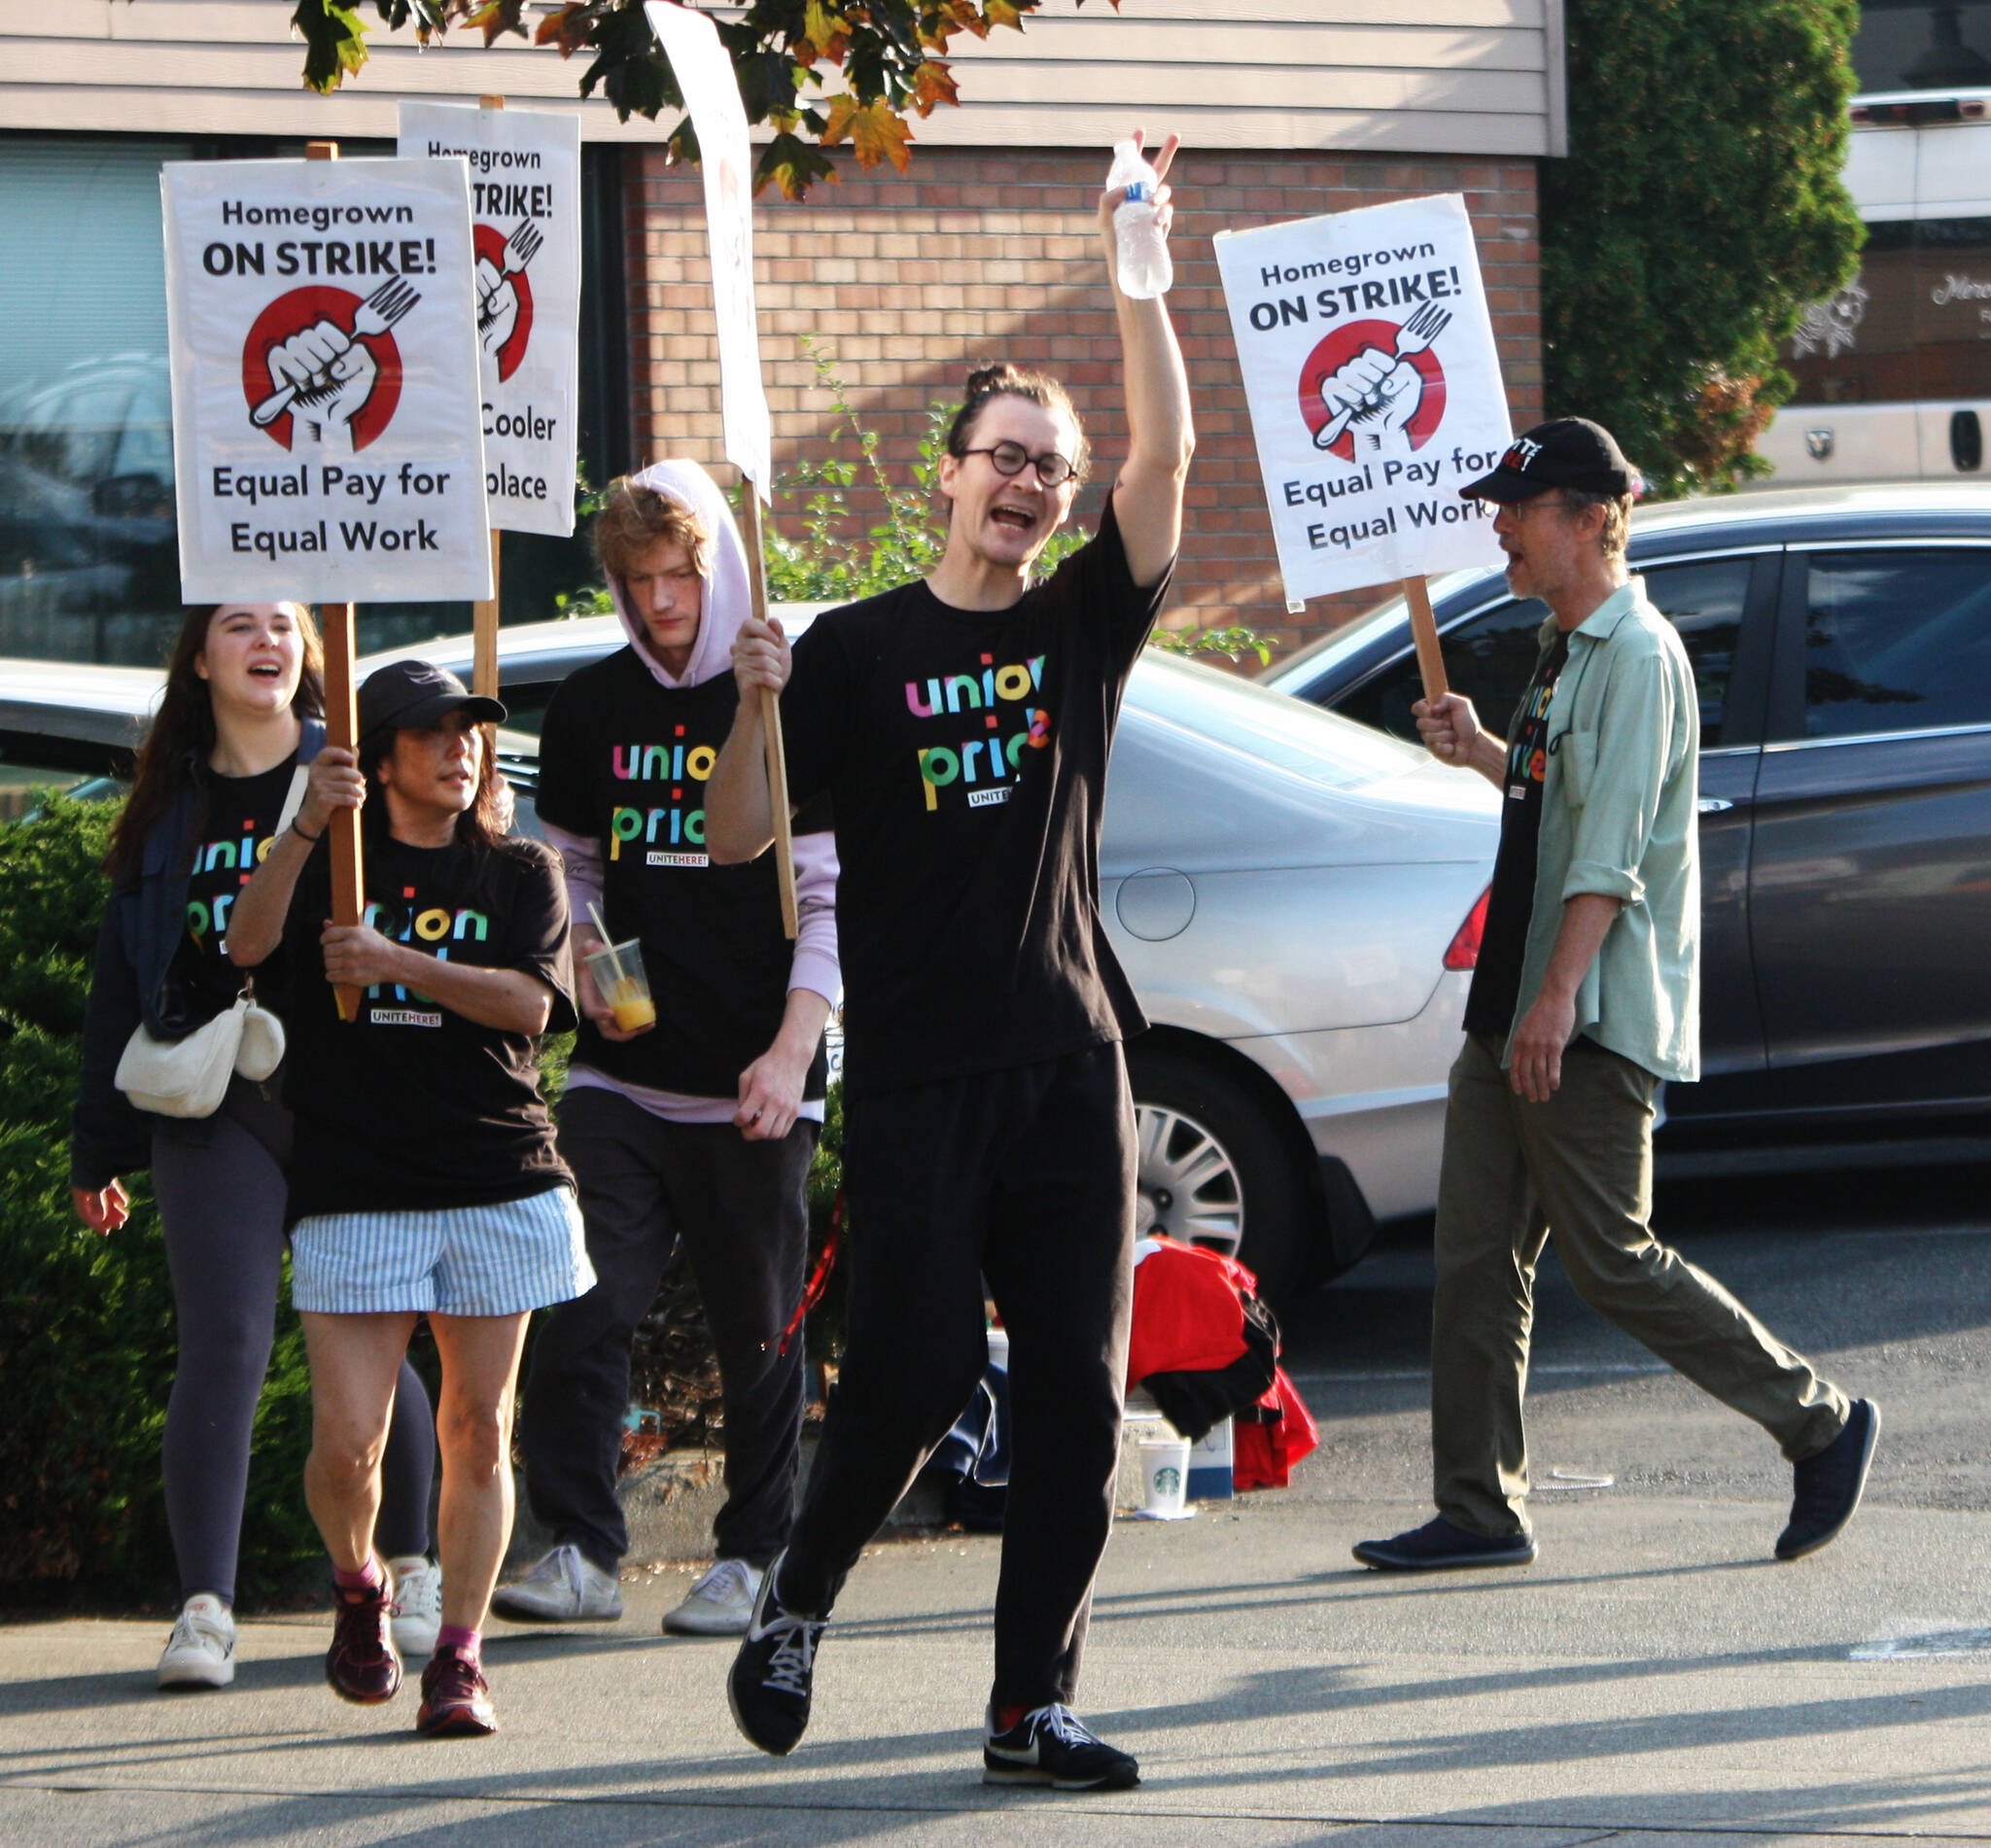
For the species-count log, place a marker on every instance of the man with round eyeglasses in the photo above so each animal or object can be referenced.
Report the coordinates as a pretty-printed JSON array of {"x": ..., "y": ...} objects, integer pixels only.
[
  {"x": 961, "y": 727},
  {"x": 1584, "y": 999}
]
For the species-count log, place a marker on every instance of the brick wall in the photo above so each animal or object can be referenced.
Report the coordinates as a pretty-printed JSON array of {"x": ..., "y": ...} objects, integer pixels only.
[{"x": 972, "y": 257}]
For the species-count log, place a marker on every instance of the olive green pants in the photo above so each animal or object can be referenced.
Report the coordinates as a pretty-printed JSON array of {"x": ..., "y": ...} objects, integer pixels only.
[{"x": 1580, "y": 1167}]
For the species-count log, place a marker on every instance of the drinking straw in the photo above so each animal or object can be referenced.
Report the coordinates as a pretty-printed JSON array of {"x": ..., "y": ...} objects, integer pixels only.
[{"x": 607, "y": 944}]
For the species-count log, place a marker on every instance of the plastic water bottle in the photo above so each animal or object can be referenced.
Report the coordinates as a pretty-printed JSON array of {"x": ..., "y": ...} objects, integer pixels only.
[{"x": 1145, "y": 268}]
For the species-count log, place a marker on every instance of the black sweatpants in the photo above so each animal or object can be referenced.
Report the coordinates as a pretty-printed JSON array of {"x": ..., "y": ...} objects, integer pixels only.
[
  {"x": 220, "y": 1185},
  {"x": 1023, "y": 1176},
  {"x": 742, "y": 1209}
]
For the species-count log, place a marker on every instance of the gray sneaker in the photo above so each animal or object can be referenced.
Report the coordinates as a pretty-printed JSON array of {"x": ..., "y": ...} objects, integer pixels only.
[
  {"x": 416, "y": 1617},
  {"x": 719, "y": 1604},
  {"x": 200, "y": 1652},
  {"x": 566, "y": 1587}
]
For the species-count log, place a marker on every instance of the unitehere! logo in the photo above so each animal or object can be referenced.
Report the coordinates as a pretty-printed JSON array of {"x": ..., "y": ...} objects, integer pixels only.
[
  {"x": 674, "y": 763},
  {"x": 991, "y": 761}
]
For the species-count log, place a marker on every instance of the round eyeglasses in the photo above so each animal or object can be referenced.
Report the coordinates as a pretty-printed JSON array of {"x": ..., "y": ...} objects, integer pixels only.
[{"x": 1009, "y": 458}]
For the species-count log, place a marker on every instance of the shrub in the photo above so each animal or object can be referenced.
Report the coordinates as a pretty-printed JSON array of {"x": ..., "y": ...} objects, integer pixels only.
[
  {"x": 87, "y": 1342},
  {"x": 1700, "y": 209}
]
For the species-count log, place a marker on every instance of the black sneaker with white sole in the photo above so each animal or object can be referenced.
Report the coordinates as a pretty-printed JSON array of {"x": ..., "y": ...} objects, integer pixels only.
[
  {"x": 1052, "y": 1745},
  {"x": 769, "y": 1687}
]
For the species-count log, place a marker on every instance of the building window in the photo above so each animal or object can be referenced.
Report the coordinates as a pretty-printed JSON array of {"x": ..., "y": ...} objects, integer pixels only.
[
  {"x": 89, "y": 551},
  {"x": 1917, "y": 45}
]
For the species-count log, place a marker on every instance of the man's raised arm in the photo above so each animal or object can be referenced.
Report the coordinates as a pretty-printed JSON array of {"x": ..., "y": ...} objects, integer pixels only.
[{"x": 1147, "y": 498}]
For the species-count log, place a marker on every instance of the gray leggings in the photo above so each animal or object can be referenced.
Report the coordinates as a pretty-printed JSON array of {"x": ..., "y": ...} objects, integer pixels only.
[{"x": 222, "y": 1205}]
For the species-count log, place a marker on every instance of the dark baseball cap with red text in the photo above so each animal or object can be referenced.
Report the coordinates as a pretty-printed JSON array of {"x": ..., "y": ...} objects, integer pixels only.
[{"x": 1565, "y": 452}]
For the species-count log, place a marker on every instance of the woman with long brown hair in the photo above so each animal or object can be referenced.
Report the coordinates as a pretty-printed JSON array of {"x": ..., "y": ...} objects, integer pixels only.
[
  {"x": 426, "y": 1180},
  {"x": 240, "y": 718}
]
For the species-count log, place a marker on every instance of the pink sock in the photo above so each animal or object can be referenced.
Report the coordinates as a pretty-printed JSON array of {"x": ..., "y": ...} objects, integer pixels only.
[
  {"x": 368, "y": 1577},
  {"x": 465, "y": 1641}
]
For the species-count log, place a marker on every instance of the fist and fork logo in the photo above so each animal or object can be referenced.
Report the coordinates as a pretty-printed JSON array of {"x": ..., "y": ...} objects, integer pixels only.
[
  {"x": 1378, "y": 392},
  {"x": 504, "y": 295},
  {"x": 325, "y": 374}
]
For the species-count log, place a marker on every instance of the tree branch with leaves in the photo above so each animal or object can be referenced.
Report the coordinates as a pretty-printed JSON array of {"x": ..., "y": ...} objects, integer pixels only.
[{"x": 890, "y": 56}]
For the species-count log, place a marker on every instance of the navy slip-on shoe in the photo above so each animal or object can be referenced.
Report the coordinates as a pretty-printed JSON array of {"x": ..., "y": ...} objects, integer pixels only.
[
  {"x": 1826, "y": 1487},
  {"x": 1442, "y": 1546}
]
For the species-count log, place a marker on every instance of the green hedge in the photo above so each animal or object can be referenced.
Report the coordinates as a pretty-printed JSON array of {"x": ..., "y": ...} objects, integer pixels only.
[{"x": 87, "y": 1345}]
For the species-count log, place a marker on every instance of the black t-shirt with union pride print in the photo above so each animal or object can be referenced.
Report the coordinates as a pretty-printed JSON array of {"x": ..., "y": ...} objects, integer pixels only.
[
  {"x": 412, "y": 1107},
  {"x": 238, "y": 830},
  {"x": 965, "y": 755},
  {"x": 625, "y": 761}
]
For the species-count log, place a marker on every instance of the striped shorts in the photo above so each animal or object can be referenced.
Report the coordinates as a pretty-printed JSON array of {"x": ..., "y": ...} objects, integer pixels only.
[{"x": 498, "y": 1260}]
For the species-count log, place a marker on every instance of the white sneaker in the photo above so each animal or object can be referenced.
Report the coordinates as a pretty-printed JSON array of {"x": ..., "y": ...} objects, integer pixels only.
[
  {"x": 415, "y": 1615},
  {"x": 200, "y": 1652},
  {"x": 719, "y": 1604},
  {"x": 566, "y": 1587}
]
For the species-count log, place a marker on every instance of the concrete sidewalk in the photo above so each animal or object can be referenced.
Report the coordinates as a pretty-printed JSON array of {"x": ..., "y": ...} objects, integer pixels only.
[{"x": 1655, "y": 1679}]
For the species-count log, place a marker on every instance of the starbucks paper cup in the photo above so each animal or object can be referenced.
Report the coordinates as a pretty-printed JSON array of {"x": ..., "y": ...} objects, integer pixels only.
[{"x": 1163, "y": 1479}]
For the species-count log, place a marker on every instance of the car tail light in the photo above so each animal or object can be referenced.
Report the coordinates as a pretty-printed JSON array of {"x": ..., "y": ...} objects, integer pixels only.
[{"x": 1464, "y": 952}]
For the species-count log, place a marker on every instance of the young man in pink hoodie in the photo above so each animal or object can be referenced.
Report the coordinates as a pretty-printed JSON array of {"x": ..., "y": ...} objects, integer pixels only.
[{"x": 701, "y": 1125}]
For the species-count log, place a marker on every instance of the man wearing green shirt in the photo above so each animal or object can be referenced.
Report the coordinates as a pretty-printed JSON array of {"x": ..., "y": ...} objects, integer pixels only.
[{"x": 1584, "y": 999}]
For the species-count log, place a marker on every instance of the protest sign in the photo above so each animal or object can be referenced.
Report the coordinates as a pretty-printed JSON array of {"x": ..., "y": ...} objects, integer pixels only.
[
  {"x": 322, "y": 332},
  {"x": 725, "y": 156},
  {"x": 1375, "y": 390},
  {"x": 525, "y": 224},
  {"x": 712, "y": 93}
]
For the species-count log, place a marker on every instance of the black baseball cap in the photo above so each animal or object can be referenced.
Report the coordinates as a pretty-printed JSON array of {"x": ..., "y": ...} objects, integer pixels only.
[
  {"x": 1565, "y": 452},
  {"x": 413, "y": 695}
]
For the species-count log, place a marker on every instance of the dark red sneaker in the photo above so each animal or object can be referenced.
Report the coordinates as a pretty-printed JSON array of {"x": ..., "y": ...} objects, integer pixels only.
[
  {"x": 456, "y": 1698},
  {"x": 362, "y": 1665}
]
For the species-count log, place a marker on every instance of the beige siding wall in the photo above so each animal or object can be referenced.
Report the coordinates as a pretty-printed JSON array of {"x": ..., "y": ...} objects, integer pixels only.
[{"x": 1467, "y": 77}]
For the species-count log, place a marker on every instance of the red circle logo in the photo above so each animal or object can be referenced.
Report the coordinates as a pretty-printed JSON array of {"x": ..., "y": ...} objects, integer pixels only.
[
  {"x": 1341, "y": 346},
  {"x": 491, "y": 247},
  {"x": 293, "y": 356}
]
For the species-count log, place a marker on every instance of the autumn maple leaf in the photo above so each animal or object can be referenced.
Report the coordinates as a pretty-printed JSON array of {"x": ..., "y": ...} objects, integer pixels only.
[
  {"x": 875, "y": 134},
  {"x": 934, "y": 85},
  {"x": 567, "y": 28}
]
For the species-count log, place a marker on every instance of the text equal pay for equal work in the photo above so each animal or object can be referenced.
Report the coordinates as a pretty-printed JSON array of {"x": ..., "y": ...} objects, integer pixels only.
[{"x": 363, "y": 486}]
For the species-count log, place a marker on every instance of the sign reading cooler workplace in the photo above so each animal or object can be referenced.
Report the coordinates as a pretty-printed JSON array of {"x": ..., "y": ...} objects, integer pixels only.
[
  {"x": 705, "y": 77},
  {"x": 1375, "y": 390},
  {"x": 322, "y": 331},
  {"x": 525, "y": 219}
]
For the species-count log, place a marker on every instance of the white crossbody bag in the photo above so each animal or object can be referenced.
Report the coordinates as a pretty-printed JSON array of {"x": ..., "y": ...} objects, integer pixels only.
[{"x": 189, "y": 1077}]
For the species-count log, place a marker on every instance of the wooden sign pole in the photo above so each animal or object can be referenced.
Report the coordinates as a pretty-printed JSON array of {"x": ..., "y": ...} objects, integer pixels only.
[
  {"x": 484, "y": 617},
  {"x": 485, "y": 639},
  {"x": 341, "y": 728},
  {"x": 1425, "y": 634},
  {"x": 770, "y": 719}
]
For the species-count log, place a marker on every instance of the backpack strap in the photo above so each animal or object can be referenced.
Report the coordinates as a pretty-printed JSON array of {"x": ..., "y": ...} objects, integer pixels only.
[{"x": 309, "y": 744}]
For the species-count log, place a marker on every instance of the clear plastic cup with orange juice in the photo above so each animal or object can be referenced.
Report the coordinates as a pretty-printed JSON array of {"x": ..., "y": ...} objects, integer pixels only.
[{"x": 617, "y": 972}]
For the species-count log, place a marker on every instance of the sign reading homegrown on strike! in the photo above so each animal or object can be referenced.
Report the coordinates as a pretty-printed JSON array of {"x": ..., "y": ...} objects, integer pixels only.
[
  {"x": 525, "y": 221},
  {"x": 1375, "y": 390},
  {"x": 324, "y": 344}
]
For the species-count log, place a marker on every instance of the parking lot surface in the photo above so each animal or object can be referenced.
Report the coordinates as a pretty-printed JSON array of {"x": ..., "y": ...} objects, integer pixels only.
[{"x": 1655, "y": 1678}]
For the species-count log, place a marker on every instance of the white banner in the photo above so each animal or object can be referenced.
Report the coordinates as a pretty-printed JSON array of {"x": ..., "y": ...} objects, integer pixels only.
[
  {"x": 704, "y": 75},
  {"x": 525, "y": 218},
  {"x": 1375, "y": 390},
  {"x": 322, "y": 331}
]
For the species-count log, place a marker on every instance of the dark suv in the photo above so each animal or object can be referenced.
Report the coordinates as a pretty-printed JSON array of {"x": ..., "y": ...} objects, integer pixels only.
[{"x": 1841, "y": 642}]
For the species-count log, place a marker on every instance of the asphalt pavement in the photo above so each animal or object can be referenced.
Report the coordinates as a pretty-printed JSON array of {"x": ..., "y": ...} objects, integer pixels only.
[{"x": 1655, "y": 1679}]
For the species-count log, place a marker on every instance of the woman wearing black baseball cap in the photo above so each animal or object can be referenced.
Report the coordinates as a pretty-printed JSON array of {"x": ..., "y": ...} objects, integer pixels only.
[{"x": 425, "y": 1179}]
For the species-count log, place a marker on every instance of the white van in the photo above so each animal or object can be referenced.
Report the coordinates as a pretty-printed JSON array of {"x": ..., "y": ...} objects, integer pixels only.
[{"x": 1894, "y": 372}]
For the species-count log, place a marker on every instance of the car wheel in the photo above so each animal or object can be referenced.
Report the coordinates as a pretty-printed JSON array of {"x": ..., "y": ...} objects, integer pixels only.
[{"x": 1213, "y": 1170}]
